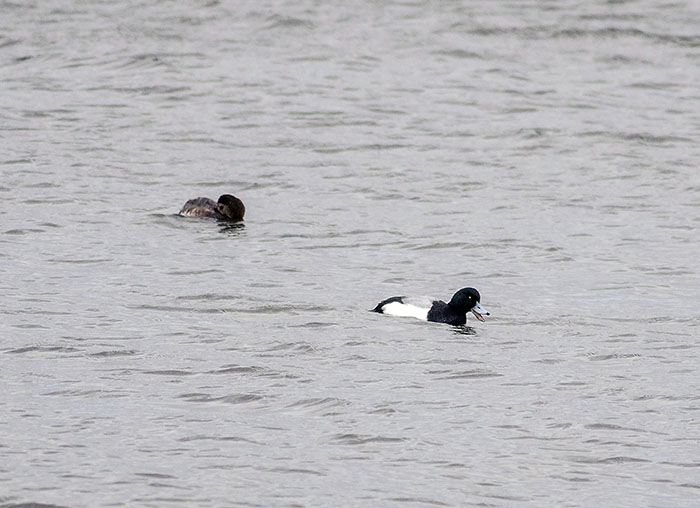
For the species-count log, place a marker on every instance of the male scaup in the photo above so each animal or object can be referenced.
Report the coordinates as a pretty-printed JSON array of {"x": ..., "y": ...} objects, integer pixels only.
[
  {"x": 430, "y": 309},
  {"x": 228, "y": 208}
]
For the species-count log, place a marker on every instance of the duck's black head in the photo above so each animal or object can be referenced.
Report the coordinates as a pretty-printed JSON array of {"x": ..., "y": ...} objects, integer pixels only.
[
  {"x": 231, "y": 207},
  {"x": 468, "y": 299}
]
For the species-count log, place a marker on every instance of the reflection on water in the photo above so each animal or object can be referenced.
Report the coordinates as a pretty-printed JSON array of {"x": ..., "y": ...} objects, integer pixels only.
[
  {"x": 464, "y": 330},
  {"x": 231, "y": 229}
]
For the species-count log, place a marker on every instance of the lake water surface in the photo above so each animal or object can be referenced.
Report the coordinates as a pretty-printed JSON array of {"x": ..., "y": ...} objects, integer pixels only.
[{"x": 544, "y": 152}]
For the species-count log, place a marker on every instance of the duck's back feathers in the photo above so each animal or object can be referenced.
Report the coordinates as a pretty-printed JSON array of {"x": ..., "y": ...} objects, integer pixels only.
[
  {"x": 201, "y": 207},
  {"x": 394, "y": 299}
]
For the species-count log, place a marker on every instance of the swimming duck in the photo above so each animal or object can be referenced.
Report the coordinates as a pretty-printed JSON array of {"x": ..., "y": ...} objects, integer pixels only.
[
  {"x": 431, "y": 309},
  {"x": 227, "y": 208}
]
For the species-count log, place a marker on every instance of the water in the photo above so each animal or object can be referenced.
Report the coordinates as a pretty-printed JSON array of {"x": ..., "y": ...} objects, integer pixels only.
[{"x": 543, "y": 152}]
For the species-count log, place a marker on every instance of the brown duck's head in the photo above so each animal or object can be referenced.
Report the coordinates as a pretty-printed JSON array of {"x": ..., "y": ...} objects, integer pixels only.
[{"x": 231, "y": 207}]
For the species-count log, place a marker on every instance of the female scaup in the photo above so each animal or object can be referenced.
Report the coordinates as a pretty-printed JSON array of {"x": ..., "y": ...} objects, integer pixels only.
[
  {"x": 228, "y": 208},
  {"x": 430, "y": 309}
]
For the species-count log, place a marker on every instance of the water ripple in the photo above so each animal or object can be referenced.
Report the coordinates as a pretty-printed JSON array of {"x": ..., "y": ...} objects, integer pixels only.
[
  {"x": 236, "y": 398},
  {"x": 356, "y": 439}
]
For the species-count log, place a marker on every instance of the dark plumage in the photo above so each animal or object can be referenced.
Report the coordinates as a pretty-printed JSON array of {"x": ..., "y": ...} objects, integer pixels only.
[
  {"x": 227, "y": 208},
  {"x": 429, "y": 309}
]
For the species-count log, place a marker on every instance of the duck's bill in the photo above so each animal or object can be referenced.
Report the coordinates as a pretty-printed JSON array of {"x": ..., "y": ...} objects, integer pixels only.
[{"x": 480, "y": 312}]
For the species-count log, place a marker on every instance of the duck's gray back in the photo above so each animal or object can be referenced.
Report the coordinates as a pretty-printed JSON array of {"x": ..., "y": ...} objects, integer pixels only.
[{"x": 201, "y": 207}]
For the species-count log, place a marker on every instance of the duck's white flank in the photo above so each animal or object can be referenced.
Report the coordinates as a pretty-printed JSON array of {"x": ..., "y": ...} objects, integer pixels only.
[{"x": 405, "y": 310}]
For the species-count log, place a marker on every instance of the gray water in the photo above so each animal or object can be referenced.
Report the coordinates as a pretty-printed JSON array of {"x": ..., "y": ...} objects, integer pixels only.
[{"x": 543, "y": 152}]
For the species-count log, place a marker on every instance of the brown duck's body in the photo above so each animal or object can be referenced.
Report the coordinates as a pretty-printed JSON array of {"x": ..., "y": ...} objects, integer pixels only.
[{"x": 227, "y": 208}]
